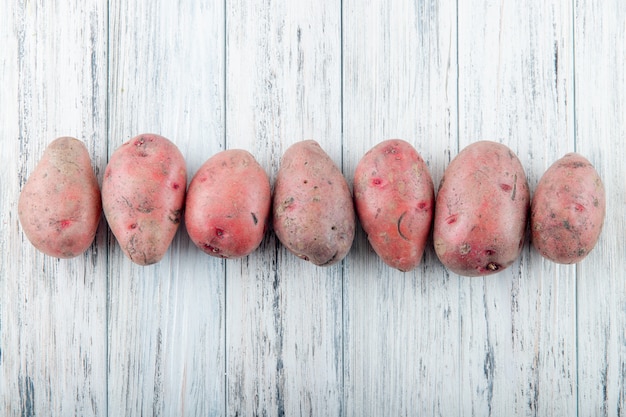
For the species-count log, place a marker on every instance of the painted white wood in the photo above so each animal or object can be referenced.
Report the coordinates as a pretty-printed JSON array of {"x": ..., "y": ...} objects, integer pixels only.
[
  {"x": 166, "y": 321},
  {"x": 518, "y": 332},
  {"x": 270, "y": 334},
  {"x": 401, "y": 330},
  {"x": 52, "y": 312},
  {"x": 284, "y": 334},
  {"x": 600, "y": 137}
]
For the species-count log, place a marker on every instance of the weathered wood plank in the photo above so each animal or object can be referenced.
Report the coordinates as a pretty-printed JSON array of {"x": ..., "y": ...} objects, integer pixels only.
[
  {"x": 166, "y": 321},
  {"x": 600, "y": 36},
  {"x": 283, "y": 315},
  {"x": 518, "y": 332},
  {"x": 52, "y": 312},
  {"x": 401, "y": 330}
]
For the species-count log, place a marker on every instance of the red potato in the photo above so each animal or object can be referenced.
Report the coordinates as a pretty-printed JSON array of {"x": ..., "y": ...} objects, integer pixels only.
[
  {"x": 59, "y": 207},
  {"x": 143, "y": 194},
  {"x": 313, "y": 212},
  {"x": 481, "y": 210},
  {"x": 228, "y": 205},
  {"x": 394, "y": 199},
  {"x": 568, "y": 209}
]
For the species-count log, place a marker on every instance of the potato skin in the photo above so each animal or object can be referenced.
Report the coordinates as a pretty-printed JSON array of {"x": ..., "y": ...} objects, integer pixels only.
[
  {"x": 59, "y": 207},
  {"x": 394, "y": 200},
  {"x": 313, "y": 212},
  {"x": 481, "y": 210},
  {"x": 568, "y": 209},
  {"x": 143, "y": 194},
  {"x": 228, "y": 205}
]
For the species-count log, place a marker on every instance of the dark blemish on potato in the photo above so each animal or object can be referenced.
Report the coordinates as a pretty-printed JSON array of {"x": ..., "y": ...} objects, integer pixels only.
[
  {"x": 175, "y": 186},
  {"x": 331, "y": 260},
  {"x": 566, "y": 225},
  {"x": 305, "y": 181},
  {"x": 378, "y": 210},
  {"x": 219, "y": 232},
  {"x": 451, "y": 219},
  {"x": 330, "y": 182},
  {"x": 574, "y": 164},
  {"x": 582, "y": 251},
  {"x": 492, "y": 266},
  {"x": 552, "y": 215},
  {"x": 333, "y": 228},
  {"x": 422, "y": 205},
  {"x": 505, "y": 187},
  {"x": 376, "y": 181},
  {"x": 212, "y": 249},
  {"x": 514, "y": 188},
  {"x": 140, "y": 141},
  {"x": 596, "y": 203},
  {"x": 400, "y": 231},
  {"x": 133, "y": 226},
  {"x": 145, "y": 207},
  {"x": 301, "y": 256},
  {"x": 174, "y": 216},
  {"x": 489, "y": 252},
  {"x": 465, "y": 248},
  {"x": 254, "y": 219}
]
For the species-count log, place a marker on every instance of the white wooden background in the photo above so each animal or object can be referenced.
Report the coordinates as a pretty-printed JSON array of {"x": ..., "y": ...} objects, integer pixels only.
[{"x": 270, "y": 334}]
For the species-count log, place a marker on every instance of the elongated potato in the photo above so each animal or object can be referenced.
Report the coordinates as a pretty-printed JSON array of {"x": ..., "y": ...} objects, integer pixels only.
[
  {"x": 143, "y": 194},
  {"x": 394, "y": 200},
  {"x": 313, "y": 212},
  {"x": 228, "y": 205},
  {"x": 59, "y": 207},
  {"x": 481, "y": 210},
  {"x": 568, "y": 209}
]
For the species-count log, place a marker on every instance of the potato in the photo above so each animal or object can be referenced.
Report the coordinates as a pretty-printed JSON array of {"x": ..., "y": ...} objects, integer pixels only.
[
  {"x": 394, "y": 200},
  {"x": 59, "y": 207},
  {"x": 228, "y": 205},
  {"x": 567, "y": 210},
  {"x": 481, "y": 210},
  {"x": 143, "y": 194},
  {"x": 313, "y": 212}
]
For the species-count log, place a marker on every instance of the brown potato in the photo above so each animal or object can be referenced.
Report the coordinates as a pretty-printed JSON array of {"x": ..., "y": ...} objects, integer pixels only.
[
  {"x": 568, "y": 209},
  {"x": 143, "y": 194},
  {"x": 394, "y": 200},
  {"x": 59, "y": 207},
  {"x": 481, "y": 210},
  {"x": 313, "y": 212},
  {"x": 228, "y": 204}
]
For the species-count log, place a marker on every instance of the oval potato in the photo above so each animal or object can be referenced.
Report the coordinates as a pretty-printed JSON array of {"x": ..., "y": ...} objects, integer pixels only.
[
  {"x": 228, "y": 204},
  {"x": 59, "y": 207},
  {"x": 481, "y": 210},
  {"x": 568, "y": 209},
  {"x": 394, "y": 200},
  {"x": 143, "y": 194},
  {"x": 313, "y": 212}
]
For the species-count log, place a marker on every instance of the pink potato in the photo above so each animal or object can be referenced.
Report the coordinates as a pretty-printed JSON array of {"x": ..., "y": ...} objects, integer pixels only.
[
  {"x": 59, "y": 207},
  {"x": 228, "y": 205},
  {"x": 394, "y": 200},
  {"x": 143, "y": 194},
  {"x": 481, "y": 210},
  {"x": 568, "y": 209},
  {"x": 313, "y": 212}
]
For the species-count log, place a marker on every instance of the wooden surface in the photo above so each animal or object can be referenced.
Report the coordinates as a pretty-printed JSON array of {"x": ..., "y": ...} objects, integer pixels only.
[{"x": 270, "y": 334}]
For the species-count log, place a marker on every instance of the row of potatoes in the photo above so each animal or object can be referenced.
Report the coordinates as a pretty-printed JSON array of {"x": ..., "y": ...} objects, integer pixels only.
[{"x": 478, "y": 219}]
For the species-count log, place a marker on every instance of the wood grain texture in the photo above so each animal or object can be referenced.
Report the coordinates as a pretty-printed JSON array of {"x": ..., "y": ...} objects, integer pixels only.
[
  {"x": 600, "y": 135},
  {"x": 284, "y": 338},
  {"x": 166, "y": 321},
  {"x": 401, "y": 330},
  {"x": 515, "y": 361},
  {"x": 52, "y": 312},
  {"x": 270, "y": 334}
]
